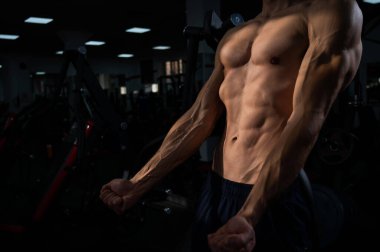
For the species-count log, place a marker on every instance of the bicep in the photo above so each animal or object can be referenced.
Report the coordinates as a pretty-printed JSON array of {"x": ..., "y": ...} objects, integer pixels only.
[
  {"x": 330, "y": 62},
  {"x": 319, "y": 81}
]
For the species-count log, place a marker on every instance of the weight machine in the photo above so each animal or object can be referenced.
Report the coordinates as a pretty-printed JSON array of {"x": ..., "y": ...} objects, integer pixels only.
[{"x": 96, "y": 130}]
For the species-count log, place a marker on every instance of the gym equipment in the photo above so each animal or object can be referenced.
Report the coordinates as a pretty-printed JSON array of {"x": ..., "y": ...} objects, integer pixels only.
[
  {"x": 29, "y": 140},
  {"x": 159, "y": 222},
  {"x": 215, "y": 28},
  {"x": 331, "y": 214},
  {"x": 336, "y": 146},
  {"x": 95, "y": 125},
  {"x": 95, "y": 128}
]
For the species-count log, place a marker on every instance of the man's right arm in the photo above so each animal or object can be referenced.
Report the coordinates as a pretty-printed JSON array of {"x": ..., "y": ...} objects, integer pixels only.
[{"x": 182, "y": 141}]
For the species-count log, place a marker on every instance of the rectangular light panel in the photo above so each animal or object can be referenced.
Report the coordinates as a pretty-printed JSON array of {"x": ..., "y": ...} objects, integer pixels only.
[
  {"x": 125, "y": 55},
  {"x": 372, "y": 1},
  {"x": 38, "y": 20},
  {"x": 9, "y": 36},
  {"x": 137, "y": 30},
  {"x": 95, "y": 43},
  {"x": 161, "y": 47}
]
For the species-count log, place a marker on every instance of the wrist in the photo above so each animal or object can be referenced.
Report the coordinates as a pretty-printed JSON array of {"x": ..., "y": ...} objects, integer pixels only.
[
  {"x": 140, "y": 185},
  {"x": 135, "y": 181},
  {"x": 136, "y": 184},
  {"x": 248, "y": 216}
]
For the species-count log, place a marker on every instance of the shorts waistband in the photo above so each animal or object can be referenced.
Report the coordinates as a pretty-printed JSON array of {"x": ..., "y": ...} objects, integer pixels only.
[
  {"x": 232, "y": 188},
  {"x": 228, "y": 187}
]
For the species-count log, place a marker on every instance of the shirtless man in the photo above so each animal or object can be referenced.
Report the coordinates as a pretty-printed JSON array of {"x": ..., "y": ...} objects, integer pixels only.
[{"x": 276, "y": 76}]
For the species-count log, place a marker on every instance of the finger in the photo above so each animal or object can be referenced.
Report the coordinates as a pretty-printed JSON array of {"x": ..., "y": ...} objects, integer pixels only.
[
  {"x": 229, "y": 244},
  {"x": 106, "y": 191},
  {"x": 238, "y": 241},
  {"x": 248, "y": 247},
  {"x": 234, "y": 241},
  {"x": 117, "y": 206},
  {"x": 217, "y": 243},
  {"x": 251, "y": 245},
  {"x": 106, "y": 187},
  {"x": 104, "y": 194},
  {"x": 247, "y": 235},
  {"x": 109, "y": 198},
  {"x": 213, "y": 242},
  {"x": 116, "y": 201}
]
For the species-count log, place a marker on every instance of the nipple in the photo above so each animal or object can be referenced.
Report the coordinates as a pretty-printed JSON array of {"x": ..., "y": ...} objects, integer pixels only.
[{"x": 275, "y": 60}]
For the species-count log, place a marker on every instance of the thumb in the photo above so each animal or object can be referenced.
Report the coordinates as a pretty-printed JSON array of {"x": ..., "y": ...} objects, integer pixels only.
[{"x": 121, "y": 186}]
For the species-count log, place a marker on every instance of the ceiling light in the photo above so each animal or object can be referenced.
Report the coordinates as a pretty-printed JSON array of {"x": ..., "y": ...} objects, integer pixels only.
[
  {"x": 372, "y": 1},
  {"x": 59, "y": 52},
  {"x": 1, "y": 66},
  {"x": 95, "y": 43},
  {"x": 40, "y": 73},
  {"x": 38, "y": 20},
  {"x": 137, "y": 30},
  {"x": 161, "y": 47},
  {"x": 125, "y": 55},
  {"x": 9, "y": 36}
]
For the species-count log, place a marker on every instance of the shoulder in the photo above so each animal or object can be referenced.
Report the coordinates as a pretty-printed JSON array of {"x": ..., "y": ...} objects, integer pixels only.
[
  {"x": 243, "y": 31},
  {"x": 249, "y": 27},
  {"x": 335, "y": 21},
  {"x": 342, "y": 12}
]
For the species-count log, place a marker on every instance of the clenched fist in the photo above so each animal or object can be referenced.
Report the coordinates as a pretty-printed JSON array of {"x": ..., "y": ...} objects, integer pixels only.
[
  {"x": 119, "y": 195},
  {"x": 237, "y": 235}
]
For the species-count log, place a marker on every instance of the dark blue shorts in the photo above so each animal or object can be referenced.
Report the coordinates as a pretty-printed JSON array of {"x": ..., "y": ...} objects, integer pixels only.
[{"x": 286, "y": 225}]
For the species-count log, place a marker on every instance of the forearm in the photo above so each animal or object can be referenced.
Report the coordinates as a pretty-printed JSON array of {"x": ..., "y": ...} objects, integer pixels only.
[
  {"x": 182, "y": 141},
  {"x": 283, "y": 164}
]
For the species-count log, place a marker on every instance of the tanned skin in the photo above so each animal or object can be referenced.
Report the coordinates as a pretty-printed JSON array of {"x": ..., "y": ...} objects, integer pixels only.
[{"x": 276, "y": 77}]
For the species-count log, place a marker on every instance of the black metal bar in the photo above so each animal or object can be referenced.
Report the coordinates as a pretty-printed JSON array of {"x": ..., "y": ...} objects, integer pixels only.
[
  {"x": 101, "y": 103},
  {"x": 191, "y": 67}
]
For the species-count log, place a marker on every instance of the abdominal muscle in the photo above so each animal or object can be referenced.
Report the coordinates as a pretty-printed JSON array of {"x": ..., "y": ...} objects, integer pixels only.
[
  {"x": 241, "y": 153},
  {"x": 256, "y": 117}
]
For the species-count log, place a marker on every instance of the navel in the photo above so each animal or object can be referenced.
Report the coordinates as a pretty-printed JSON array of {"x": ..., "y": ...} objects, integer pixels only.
[{"x": 275, "y": 60}]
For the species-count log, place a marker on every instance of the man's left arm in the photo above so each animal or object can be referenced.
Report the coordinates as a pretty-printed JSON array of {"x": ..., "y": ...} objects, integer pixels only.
[{"x": 329, "y": 65}]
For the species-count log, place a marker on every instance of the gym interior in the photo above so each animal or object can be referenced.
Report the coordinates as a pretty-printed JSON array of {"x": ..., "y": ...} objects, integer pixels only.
[{"x": 88, "y": 91}]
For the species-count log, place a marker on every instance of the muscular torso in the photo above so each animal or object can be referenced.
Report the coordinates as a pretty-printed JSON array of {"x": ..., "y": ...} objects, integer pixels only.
[{"x": 261, "y": 60}]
